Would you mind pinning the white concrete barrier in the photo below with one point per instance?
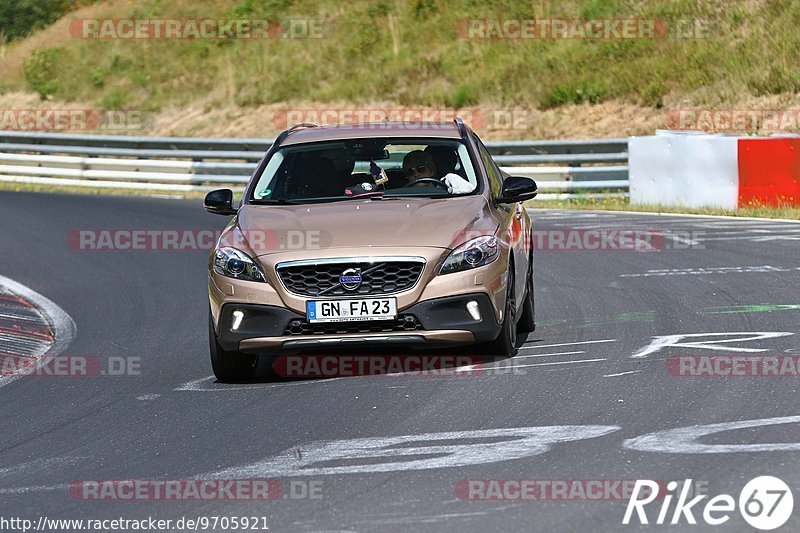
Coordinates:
(687, 170)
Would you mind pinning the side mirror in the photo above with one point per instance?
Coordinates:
(220, 202)
(517, 189)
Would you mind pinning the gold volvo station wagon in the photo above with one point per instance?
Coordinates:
(410, 237)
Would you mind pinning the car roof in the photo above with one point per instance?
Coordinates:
(435, 130)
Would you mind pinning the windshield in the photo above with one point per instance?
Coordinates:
(340, 170)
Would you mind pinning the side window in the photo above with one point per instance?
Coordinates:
(495, 177)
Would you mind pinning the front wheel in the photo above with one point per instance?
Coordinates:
(229, 366)
(527, 321)
(505, 343)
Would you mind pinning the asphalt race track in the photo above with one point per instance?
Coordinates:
(595, 377)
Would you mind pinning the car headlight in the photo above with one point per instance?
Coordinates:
(234, 263)
(472, 254)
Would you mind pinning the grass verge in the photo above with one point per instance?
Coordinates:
(607, 204)
(617, 203)
(66, 189)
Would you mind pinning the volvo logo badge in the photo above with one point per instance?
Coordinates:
(350, 279)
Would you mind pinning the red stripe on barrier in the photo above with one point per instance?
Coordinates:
(769, 172)
(26, 332)
(19, 300)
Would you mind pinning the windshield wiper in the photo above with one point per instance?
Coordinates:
(382, 197)
(279, 201)
(374, 195)
(445, 195)
(320, 200)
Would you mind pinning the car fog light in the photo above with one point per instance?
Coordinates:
(237, 320)
(472, 309)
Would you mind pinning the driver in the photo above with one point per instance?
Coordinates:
(417, 165)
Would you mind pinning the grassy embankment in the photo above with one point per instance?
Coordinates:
(410, 53)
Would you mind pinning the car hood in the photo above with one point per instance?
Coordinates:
(406, 222)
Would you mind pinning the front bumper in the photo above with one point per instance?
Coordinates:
(268, 329)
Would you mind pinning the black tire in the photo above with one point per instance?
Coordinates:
(230, 367)
(527, 320)
(505, 343)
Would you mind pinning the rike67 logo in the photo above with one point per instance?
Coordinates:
(765, 503)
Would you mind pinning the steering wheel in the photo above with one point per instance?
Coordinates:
(429, 181)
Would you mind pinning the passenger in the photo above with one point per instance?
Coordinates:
(444, 159)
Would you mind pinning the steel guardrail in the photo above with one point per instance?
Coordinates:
(569, 167)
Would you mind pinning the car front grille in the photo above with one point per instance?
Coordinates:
(301, 326)
(377, 277)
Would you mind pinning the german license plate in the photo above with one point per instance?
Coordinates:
(351, 310)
